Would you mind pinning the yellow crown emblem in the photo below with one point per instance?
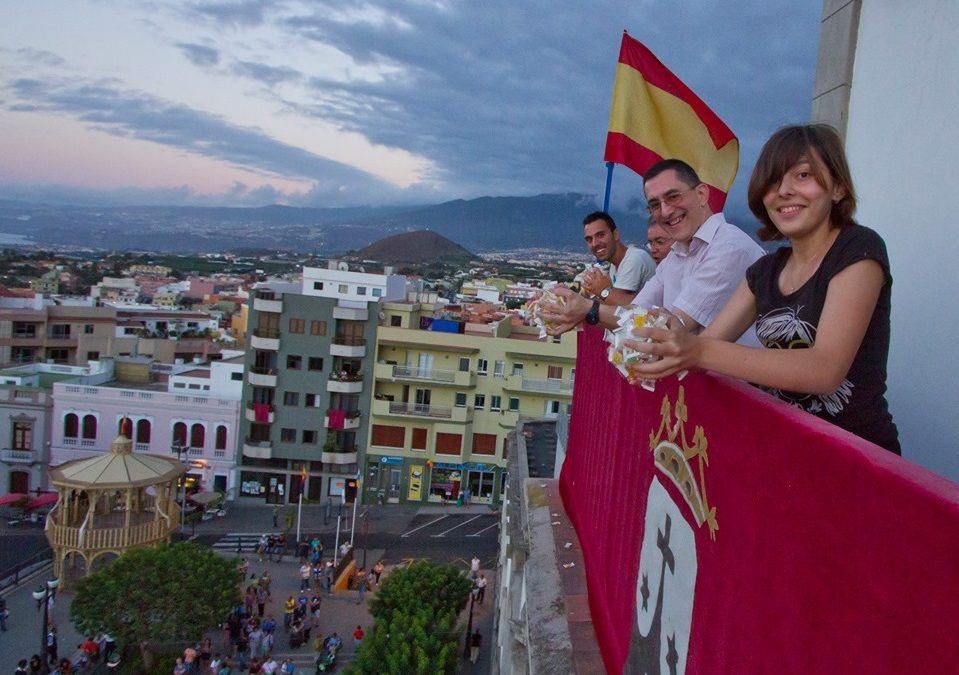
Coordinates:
(673, 454)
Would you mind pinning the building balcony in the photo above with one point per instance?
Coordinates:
(265, 339)
(351, 420)
(257, 449)
(268, 305)
(509, 418)
(250, 414)
(533, 386)
(458, 414)
(339, 457)
(350, 347)
(350, 384)
(351, 313)
(460, 379)
(13, 456)
(261, 377)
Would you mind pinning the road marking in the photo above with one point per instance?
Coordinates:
(476, 534)
(443, 534)
(417, 529)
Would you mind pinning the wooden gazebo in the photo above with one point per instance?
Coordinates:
(112, 503)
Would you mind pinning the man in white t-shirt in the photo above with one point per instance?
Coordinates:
(629, 267)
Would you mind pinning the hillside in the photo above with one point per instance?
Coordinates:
(413, 247)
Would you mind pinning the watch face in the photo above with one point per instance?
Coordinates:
(604, 293)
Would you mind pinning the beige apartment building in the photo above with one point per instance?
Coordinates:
(446, 394)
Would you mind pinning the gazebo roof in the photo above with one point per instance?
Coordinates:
(119, 468)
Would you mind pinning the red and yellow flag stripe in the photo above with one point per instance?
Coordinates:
(654, 115)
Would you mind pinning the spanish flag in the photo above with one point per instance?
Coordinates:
(654, 116)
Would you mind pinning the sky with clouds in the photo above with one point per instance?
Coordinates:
(252, 102)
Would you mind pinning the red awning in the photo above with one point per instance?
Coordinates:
(12, 498)
(43, 500)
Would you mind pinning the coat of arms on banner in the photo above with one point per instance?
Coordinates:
(666, 583)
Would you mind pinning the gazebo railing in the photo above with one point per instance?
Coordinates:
(95, 538)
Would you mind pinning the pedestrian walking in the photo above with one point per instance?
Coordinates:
(481, 589)
(52, 646)
(358, 636)
(378, 570)
(475, 641)
(474, 567)
(276, 516)
(360, 586)
(4, 613)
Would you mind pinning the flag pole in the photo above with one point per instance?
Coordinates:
(609, 185)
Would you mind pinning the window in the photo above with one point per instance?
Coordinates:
(518, 369)
(317, 285)
(220, 437)
(179, 385)
(361, 290)
(481, 366)
(343, 288)
(193, 386)
(179, 434)
(314, 363)
(388, 436)
(291, 398)
(296, 325)
(22, 436)
(377, 292)
(58, 355)
(89, 427)
(479, 401)
(514, 405)
(484, 444)
(309, 436)
(449, 444)
(143, 431)
(460, 399)
(197, 436)
(396, 320)
(288, 435)
(554, 372)
(71, 426)
(93, 356)
(317, 327)
(125, 427)
(294, 362)
(464, 366)
(88, 328)
(236, 377)
(312, 401)
(419, 439)
(499, 369)
(495, 403)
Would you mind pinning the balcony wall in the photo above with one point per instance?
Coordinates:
(351, 313)
(353, 386)
(351, 421)
(261, 378)
(339, 457)
(736, 516)
(519, 383)
(423, 412)
(257, 449)
(19, 456)
(353, 348)
(266, 340)
(250, 416)
(436, 377)
(265, 305)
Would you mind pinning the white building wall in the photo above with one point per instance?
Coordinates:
(902, 138)
(345, 285)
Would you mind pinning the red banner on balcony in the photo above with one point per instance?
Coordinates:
(726, 532)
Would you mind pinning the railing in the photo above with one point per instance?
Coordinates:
(549, 386)
(348, 377)
(13, 576)
(17, 455)
(739, 506)
(260, 370)
(267, 333)
(420, 410)
(347, 414)
(424, 373)
(113, 537)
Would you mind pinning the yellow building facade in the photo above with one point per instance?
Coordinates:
(446, 395)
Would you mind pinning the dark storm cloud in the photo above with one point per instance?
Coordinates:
(108, 107)
(199, 55)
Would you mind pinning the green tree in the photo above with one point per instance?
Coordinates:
(415, 629)
(171, 593)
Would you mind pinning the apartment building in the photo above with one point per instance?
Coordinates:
(35, 331)
(306, 395)
(447, 391)
(191, 410)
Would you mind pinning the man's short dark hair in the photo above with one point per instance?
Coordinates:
(600, 215)
(684, 172)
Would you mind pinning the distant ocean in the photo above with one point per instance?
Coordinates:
(13, 239)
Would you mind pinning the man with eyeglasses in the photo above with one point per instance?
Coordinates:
(658, 243)
(706, 263)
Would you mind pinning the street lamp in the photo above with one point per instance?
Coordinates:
(43, 595)
(178, 448)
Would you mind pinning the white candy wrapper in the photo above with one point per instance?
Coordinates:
(622, 356)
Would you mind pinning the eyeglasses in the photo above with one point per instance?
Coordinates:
(670, 198)
(659, 241)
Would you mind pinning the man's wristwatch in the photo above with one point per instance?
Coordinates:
(603, 294)
(592, 316)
